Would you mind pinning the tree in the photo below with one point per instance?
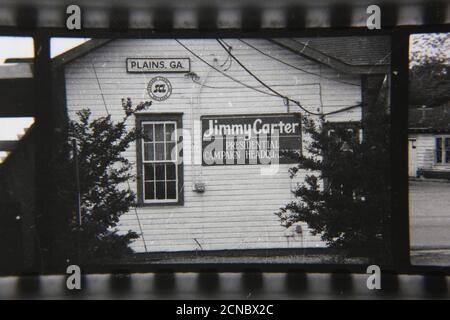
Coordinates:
(429, 85)
(429, 48)
(346, 194)
(103, 174)
(429, 77)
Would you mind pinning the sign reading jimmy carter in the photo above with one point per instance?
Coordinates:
(158, 65)
(250, 139)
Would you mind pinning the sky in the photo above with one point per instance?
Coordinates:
(23, 47)
(16, 47)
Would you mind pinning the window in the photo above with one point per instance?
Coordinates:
(353, 130)
(443, 150)
(159, 172)
(346, 135)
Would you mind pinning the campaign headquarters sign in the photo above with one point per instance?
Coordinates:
(249, 139)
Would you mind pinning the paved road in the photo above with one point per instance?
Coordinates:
(430, 219)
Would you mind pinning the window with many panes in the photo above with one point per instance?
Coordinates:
(158, 160)
(443, 150)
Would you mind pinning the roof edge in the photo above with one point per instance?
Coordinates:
(78, 51)
(430, 130)
(16, 71)
(332, 62)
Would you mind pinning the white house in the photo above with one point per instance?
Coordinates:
(429, 142)
(196, 85)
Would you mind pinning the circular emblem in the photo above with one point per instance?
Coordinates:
(159, 88)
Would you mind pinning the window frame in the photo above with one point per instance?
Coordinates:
(443, 151)
(354, 126)
(159, 118)
(330, 126)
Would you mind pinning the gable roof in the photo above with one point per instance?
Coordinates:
(354, 55)
(358, 51)
(430, 120)
(78, 51)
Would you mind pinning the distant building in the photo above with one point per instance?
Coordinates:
(429, 142)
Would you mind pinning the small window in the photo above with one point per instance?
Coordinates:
(353, 130)
(443, 150)
(159, 172)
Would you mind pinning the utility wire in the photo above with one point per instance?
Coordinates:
(285, 98)
(255, 89)
(222, 72)
(223, 43)
(128, 182)
(295, 67)
(304, 84)
(232, 88)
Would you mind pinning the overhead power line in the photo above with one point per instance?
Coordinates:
(285, 98)
(273, 93)
(295, 67)
(196, 81)
(222, 72)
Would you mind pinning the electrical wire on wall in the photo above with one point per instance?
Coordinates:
(222, 72)
(223, 45)
(258, 90)
(296, 67)
(128, 182)
(202, 84)
(196, 81)
(227, 60)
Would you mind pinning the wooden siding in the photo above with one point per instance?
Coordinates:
(426, 149)
(237, 209)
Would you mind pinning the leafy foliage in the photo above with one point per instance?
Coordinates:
(104, 194)
(429, 77)
(429, 48)
(345, 197)
(429, 85)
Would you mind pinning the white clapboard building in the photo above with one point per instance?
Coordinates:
(429, 142)
(196, 85)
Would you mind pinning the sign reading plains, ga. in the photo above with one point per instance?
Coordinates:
(158, 65)
(250, 139)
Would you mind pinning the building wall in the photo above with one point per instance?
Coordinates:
(237, 209)
(425, 151)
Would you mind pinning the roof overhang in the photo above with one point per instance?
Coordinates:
(16, 71)
(334, 63)
(430, 130)
(78, 52)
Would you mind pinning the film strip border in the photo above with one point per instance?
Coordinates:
(196, 286)
(289, 15)
(226, 285)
